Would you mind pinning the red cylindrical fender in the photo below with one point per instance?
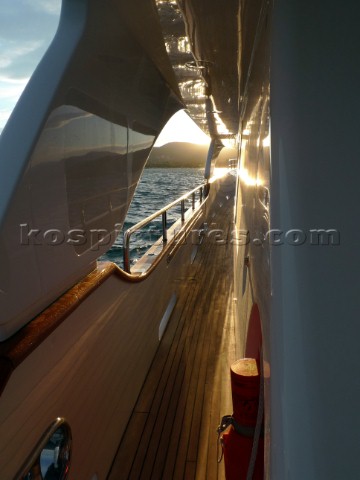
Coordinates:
(237, 443)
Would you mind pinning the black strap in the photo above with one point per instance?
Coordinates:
(243, 430)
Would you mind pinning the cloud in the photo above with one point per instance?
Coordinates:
(49, 6)
(13, 50)
(10, 88)
(25, 20)
(10, 91)
(26, 30)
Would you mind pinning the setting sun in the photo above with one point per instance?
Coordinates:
(180, 128)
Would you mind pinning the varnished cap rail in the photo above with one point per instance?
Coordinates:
(18, 347)
(15, 350)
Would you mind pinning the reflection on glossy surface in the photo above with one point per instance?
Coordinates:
(51, 458)
(211, 72)
(76, 145)
(85, 156)
(71, 131)
(189, 74)
(266, 141)
(96, 164)
(252, 252)
(55, 457)
(248, 179)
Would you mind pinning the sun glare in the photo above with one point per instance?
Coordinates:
(180, 128)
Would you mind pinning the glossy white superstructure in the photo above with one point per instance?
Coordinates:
(282, 78)
(70, 167)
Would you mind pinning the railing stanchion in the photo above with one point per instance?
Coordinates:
(183, 211)
(164, 227)
(126, 246)
(163, 213)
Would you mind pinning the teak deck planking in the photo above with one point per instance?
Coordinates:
(172, 431)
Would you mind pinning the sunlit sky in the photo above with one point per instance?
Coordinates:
(180, 128)
(26, 30)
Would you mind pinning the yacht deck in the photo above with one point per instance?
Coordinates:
(172, 431)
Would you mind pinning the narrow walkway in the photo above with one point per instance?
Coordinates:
(172, 431)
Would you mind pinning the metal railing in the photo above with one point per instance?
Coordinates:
(232, 163)
(163, 212)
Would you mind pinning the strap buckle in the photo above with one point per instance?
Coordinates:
(226, 421)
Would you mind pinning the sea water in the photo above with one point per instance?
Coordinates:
(157, 188)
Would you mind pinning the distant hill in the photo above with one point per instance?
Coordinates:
(225, 155)
(178, 155)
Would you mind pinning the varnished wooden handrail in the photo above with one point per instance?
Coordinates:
(18, 347)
